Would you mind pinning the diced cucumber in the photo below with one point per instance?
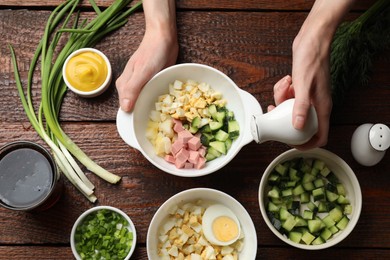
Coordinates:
(287, 193)
(301, 222)
(318, 164)
(342, 224)
(309, 186)
(219, 116)
(326, 234)
(336, 214)
(233, 129)
(340, 189)
(205, 129)
(328, 221)
(314, 225)
(219, 146)
(272, 207)
(342, 200)
(215, 125)
(295, 236)
(318, 194)
(325, 171)
(193, 130)
(281, 169)
(196, 122)
(206, 138)
(294, 174)
(318, 183)
(312, 206)
(307, 177)
(323, 207)
(301, 188)
(290, 223)
(228, 143)
(331, 196)
(308, 214)
(318, 241)
(273, 179)
(221, 135)
(348, 209)
(305, 197)
(274, 193)
(284, 214)
(212, 110)
(298, 190)
(307, 238)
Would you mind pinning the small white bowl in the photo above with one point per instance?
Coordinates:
(207, 195)
(344, 173)
(131, 227)
(97, 91)
(132, 126)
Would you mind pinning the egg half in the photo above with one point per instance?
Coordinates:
(220, 225)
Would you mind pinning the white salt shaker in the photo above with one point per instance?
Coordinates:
(369, 143)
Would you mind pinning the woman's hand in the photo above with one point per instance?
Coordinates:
(310, 81)
(158, 49)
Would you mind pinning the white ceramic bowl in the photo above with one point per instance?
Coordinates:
(344, 173)
(131, 227)
(132, 126)
(208, 195)
(97, 91)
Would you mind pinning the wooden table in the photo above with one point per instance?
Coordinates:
(250, 41)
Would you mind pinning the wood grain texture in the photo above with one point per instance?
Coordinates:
(248, 40)
(204, 5)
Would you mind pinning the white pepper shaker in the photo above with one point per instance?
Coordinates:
(369, 143)
(276, 125)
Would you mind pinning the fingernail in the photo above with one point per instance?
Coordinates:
(126, 104)
(299, 122)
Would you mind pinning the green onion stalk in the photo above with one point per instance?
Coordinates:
(53, 89)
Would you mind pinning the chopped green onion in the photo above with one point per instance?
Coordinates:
(103, 234)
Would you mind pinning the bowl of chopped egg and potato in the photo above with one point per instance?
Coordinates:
(201, 223)
(189, 120)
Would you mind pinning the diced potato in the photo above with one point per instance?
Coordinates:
(155, 115)
(226, 250)
(173, 251)
(228, 257)
(167, 127)
(177, 84)
(196, 257)
(204, 87)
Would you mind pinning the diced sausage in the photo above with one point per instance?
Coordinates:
(194, 157)
(185, 136)
(194, 143)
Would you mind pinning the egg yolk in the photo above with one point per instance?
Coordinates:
(86, 71)
(225, 229)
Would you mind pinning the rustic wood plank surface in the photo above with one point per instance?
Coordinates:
(248, 40)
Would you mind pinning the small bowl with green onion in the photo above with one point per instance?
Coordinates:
(103, 232)
(310, 199)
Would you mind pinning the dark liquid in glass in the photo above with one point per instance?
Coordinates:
(26, 178)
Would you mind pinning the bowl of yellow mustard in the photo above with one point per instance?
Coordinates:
(87, 72)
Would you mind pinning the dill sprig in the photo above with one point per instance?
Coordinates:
(355, 45)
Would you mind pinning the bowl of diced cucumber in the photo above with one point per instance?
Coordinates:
(189, 120)
(310, 199)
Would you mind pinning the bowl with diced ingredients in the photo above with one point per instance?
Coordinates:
(201, 223)
(103, 232)
(189, 120)
(310, 199)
